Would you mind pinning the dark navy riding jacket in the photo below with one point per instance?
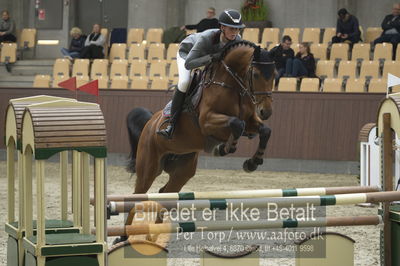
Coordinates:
(77, 44)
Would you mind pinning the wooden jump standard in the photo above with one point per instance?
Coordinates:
(13, 141)
(47, 129)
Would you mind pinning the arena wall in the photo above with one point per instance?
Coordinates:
(305, 126)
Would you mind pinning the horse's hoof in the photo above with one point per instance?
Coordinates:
(219, 150)
(215, 151)
(258, 161)
(232, 149)
(249, 166)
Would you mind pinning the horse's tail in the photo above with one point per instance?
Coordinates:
(135, 122)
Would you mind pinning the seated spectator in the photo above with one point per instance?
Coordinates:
(347, 28)
(280, 54)
(210, 22)
(76, 45)
(7, 28)
(303, 65)
(94, 44)
(391, 29)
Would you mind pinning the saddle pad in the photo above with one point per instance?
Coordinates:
(167, 110)
(194, 101)
(197, 96)
(193, 96)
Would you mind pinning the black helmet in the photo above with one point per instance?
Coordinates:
(231, 18)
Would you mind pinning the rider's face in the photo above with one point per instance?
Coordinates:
(230, 33)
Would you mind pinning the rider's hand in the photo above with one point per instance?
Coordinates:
(216, 57)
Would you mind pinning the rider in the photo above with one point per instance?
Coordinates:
(197, 50)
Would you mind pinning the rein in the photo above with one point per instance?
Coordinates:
(244, 90)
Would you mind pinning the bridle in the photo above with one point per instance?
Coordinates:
(245, 89)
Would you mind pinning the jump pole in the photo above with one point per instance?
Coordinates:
(339, 199)
(168, 228)
(262, 193)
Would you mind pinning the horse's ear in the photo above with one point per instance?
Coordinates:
(257, 52)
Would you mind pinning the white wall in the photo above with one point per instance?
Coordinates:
(371, 12)
(302, 13)
(147, 14)
(53, 51)
(196, 9)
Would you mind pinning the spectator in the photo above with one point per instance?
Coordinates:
(7, 28)
(391, 29)
(280, 54)
(347, 28)
(94, 44)
(210, 22)
(303, 65)
(77, 44)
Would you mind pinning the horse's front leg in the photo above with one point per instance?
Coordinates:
(237, 127)
(251, 164)
(223, 127)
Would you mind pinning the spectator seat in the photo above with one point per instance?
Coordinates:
(42, 81)
(309, 85)
(311, 35)
(159, 83)
(332, 85)
(119, 68)
(355, 85)
(118, 51)
(270, 35)
(140, 83)
(287, 84)
(135, 35)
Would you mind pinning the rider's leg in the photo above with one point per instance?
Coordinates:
(178, 99)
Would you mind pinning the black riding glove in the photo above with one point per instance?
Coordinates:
(216, 57)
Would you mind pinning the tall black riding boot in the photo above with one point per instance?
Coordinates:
(176, 108)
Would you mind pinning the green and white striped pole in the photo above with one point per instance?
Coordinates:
(340, 199)
(170, 228)
(235, 194)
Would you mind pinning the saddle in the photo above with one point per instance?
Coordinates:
(193, 94)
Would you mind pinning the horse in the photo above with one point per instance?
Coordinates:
(236, 97)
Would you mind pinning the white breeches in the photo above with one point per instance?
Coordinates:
(184, 74)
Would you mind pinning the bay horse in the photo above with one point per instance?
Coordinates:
(236, 97)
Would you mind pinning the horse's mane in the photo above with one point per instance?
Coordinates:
(259, 55)
(232, 45)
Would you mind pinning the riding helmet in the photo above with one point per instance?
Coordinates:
(231, 18)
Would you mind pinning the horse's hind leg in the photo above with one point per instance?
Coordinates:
(180, 171)
(147, 169)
